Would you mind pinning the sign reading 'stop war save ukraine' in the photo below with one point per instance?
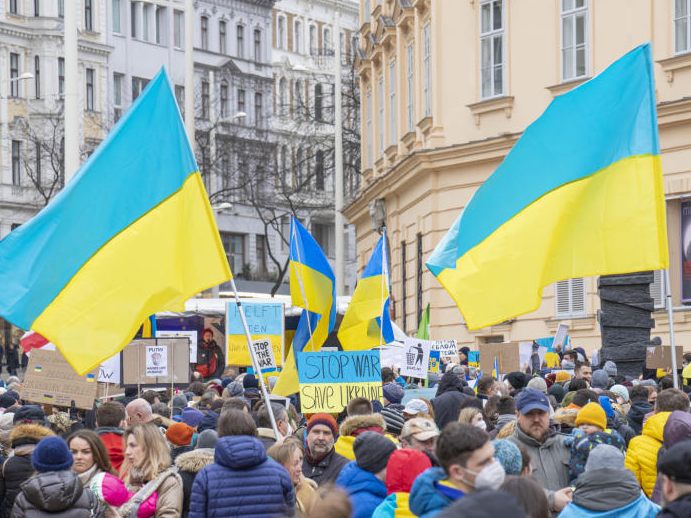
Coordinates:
(328, 380)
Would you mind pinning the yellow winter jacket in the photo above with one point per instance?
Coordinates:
(641, 457)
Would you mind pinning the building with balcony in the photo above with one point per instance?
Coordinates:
(447, 90)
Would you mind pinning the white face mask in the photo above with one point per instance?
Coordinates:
(490, 477)
(481, 425)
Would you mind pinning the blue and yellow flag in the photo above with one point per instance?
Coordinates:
(133, 233)
(580, 194)
(367, 323)
(313, 288)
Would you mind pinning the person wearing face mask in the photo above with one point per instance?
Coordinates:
(473, 416)
(321, 463)
(468, 465)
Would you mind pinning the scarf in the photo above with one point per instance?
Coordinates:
(85, 478)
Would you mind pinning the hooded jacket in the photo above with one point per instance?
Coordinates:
(326, 470)
(427, 498)
(637, 414)
(57, 494)
(242, 482)
(112, 439)
(354, 426)
(447, 403)
(366, 491)
(17, 469)
(189, 464)
(677, 429)
(396, 505)
(641, 457)
(680, 508)
(604, 492)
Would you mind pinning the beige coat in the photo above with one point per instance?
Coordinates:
(170, 496)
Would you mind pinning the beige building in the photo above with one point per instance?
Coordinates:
(447, 88)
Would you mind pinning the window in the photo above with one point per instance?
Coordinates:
(178, 29)
(318, 102)
(418, 282)
(37, 77)
(368, 15)
(146, 29)
(180, 98)
(322, 234)
(37, 7)
(257, 45)
(299, 165)
(285, 232)
(16, 162)
(161, 24)
(380, 121)
(13, 8)
(342, 45)
(88, 16)
(427, 63)
(260, 252)
(313, 40)
(393, 131)
(116, 16)
(37, 166)
(14, 74)
(61, 8)
(61, 76)
(492, 48)
(297, 37)
(138, 84)
(410, 59)
(574, 47)
(205, 99)
(241, 102)
(258, 109)
(205, 33)
(240, 36)
(234, 245)
(224, 99)
(281, 32)
(222, 40)
(297, 98)
(657, 289)
(90, 89)
(370, 136)
(283, 164)
(282, 96)
(117, 96)
(570, 298)
(328, 42)
(682, 26)
(319, 171)
(134, 22)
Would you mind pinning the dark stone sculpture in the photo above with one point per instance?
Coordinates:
(625, 320)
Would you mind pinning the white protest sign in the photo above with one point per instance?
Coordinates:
(416, 358)
(446, 348)
(109, 372)
(560, 336)
(264, 354)
(191, 334)
(392, 356)
(156, 361)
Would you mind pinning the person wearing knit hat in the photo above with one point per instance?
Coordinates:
(562, 376)
(610, 368)
(55, 489)
(179, 404)
(557, 391)
(364, 478)
(393, 393)
(516, 380)
(403, 468)
(179, 435)
(394, 420)
(538, 384)
(621, 392)
(509, 456)
(416, 408)
(591, 418)
(250, 382)
(7, 401)
(321, 463)
(191, 416)
(600, 380)
(29, 414)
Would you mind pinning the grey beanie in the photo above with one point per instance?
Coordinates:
(605, 456)
(235, 389)
(600, 380)
(538, 384)
(372, 451)
(179, 402)
(610, 368)
(207, 439)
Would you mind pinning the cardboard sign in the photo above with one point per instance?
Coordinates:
(416, 358)
(530, 358)
(192, 335)
(264, 354)
(446, 348)
(506, 353)
(109, 372)
(328, 381)
(265, 322)
(156, 361)
(661, 357)
(50, 380)
(145, 364)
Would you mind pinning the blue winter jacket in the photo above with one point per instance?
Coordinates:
(366, 491)
(242, 482)
(428, 498)
(640, 508)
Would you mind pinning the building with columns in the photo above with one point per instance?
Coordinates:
(447, 90)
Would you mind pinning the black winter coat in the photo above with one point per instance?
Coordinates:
(15, 471)
(326, 470)
(637, 414)
(189, 464)
(55, 494)
(680, 508)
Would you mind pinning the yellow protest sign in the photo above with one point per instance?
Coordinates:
(265, 322)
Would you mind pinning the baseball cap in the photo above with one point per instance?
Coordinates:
(415, 407)
(420, 428)
(531, 399)
(676, 463)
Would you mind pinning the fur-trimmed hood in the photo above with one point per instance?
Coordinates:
(193, 461)
(566, 416)
(28, 434)
(362, 422)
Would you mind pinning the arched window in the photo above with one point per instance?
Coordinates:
(313, 40)
(298, 97)
(281, 32)
(282, 96)
(328, 42)
(297, 38)
(318, 102)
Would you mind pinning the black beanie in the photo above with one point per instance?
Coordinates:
(372, 451)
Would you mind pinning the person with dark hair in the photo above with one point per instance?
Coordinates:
(89, 455)
(506, 413)
(675, 475)
(151, 396)
(197, 388)
(110, 423)
(640, 407)
(577, 384)
(467, 461)
(321, 462)
(242, 481)
(530, 495)
(447, 402)
(235, 403)
(487, 387)
(672, 399)
(583, 371)
(516, 381)
(387, 375)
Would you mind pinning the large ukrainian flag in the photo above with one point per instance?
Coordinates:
(367, 323)
(133, 233)
(580, 194)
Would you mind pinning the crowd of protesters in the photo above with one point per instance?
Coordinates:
(579, 441)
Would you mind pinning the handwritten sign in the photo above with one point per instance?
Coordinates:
(264, 355)
(109, 372)
(416, 358)
(265, 322)
(328, 381)
(156, 361)
(446, 348)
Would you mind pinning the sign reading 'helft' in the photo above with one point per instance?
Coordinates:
(328, 380)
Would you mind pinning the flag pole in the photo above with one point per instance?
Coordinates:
(255, 363)
(670, 316)
(384, 279)
(302, 287)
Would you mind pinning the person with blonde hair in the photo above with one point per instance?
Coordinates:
(290, 454)
(147, 468)
(473, 416)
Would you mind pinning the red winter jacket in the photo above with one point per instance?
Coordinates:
(112, 439)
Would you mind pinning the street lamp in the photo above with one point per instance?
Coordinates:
(24, 76)
(220, 207)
